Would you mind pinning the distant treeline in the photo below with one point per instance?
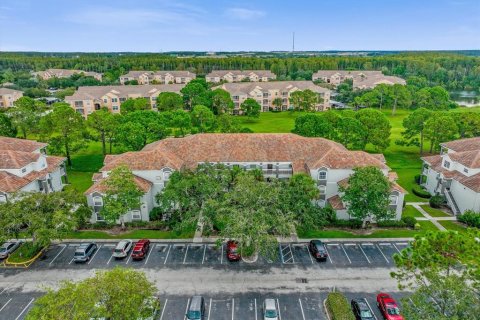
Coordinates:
(450, 70)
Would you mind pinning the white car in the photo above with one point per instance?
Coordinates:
(270, 311)
(122, 249)
(8, 247)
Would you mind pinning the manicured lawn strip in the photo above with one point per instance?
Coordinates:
(79, 180)
(135, 234)
(434, 212)
(338, 307)
(452, 225)
(24, 253)
(410, 211)
(272, 122)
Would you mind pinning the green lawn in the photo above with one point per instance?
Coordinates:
(410, 211)
(452, 225)
(434, 212)
(135, 234)
(272, 122)
(383, 233)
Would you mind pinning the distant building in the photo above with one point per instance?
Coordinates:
(8, 97)
(158, 77)
(361, 79)
(90, 98)
(239, 76)
(25, 167)
(455, 174)
(280, 156)
(66, 73)
(266, 92)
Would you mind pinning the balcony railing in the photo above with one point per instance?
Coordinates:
(277, 171)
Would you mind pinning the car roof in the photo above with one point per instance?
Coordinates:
(270, 304)
(196, 302)
(142, 241)
(317, 242)
(84, 245)
(123, 243)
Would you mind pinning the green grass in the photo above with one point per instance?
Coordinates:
(135, 234)
(382, 233)
(434, 212)
(410, 211)
(24, 253)
(452, 225)
(272, 122)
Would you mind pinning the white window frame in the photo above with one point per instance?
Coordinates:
(321, 172)
(136, 215)
(3, 198)
(391, 198)
(95, 198)
(166, 175)
(465, 170)
(322, 189)
(446, 164)
(97, 214)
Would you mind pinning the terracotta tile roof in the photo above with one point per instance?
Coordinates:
(15, 144)
(143, 160)
(11, 183)
(247, 87)
(336, 202)
(122, 91)
(9, 91)
(470, 159)
(260, 73)
(468, 144)
(100, 187)
(175, 73)
(16, 159)
(54, 162)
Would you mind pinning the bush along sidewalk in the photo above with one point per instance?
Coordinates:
(338, 307)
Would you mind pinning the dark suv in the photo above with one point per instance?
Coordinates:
(140, 250)
(85, 252)
(362, 310)
(318, 250)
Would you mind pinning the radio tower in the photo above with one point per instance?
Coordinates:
(293, 43)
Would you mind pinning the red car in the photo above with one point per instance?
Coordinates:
(232, 251)
(140, 250)
(388, 307)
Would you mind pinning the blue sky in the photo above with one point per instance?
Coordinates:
(221, 25)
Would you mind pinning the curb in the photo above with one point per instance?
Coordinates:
(24, 264)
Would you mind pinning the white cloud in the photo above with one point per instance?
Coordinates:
(244, 14)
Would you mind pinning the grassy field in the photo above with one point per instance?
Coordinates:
(410, 211)
(134, 234)
(434, 212)
(452, 225)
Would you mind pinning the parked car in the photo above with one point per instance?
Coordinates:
(270, 311)
(232, 251)
(196, 308)
(361, 310)
(8, 248)
(122, 249)
(318, 250)
(388, 307)
(84, 252)
(140, 250)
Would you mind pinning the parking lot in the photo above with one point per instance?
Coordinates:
(307, 306)
(165, 255)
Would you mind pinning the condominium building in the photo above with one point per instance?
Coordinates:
(455, 174)
(266, 93)
(66, 73)
(86, 100)
(239, 76)
(158, 77)
(8, 97)
(25, 167)
(361, 79)
(278, 156)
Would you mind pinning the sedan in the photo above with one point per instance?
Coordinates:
(122, 249)
(232, 251)
(362, 310)
(388, 307)
(8, 247)
(318, 250)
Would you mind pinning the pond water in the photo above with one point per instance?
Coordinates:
(466, 98)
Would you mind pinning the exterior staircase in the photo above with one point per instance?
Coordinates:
(451, 202)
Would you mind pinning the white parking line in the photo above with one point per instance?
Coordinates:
(96, 251)
(221, 257)
(5, 304)
(25, 309)
(371, 309)
(168, 252)
(309, 254)
(74, 245)
(396, 247)
(346, 253)
(186, 309)
(64, 247)
(4, 290)
(110, 259)
(148, 254)
(350, 244)
(204, 251)
(360, 246)
(328, 255)
(71, 261)
(130, 256)
(163, 309)
(402, 243)
(209, 309)
(301, 308)
(279, 313)
(233, 306)
(185, 257)
(255, 308)
(382, 254)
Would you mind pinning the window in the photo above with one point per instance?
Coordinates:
(393, 200)
(105, 100)
(3, 198)
(114, 100)
(115, 108)
(123, 99)
(253, 166)
(167, 174)
(136, 215)
(322, 175)
(24, 170)
(323, 189)
(270, 166)
(99, 217)
(446, 164)
(97, 201)
(465, 170)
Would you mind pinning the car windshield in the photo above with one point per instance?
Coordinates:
(137, 251)
(393, 311)
(78, 253)
(2, 249)
(193, 315)
(271, 313)
(233, 249)
(118, 250)
(366, 314)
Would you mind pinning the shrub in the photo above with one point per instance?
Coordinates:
(338, 307)
(137, 224)
(470, 218)
(352, 223)
(436, 201)
(156, 214)
(418, 191)
(409, 221)
(391, 224)
(417, 178)
(25, 252)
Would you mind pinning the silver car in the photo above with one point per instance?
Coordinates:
(270, 311)
(122, 249)
(8, 247)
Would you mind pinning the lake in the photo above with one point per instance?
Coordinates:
(466, 98)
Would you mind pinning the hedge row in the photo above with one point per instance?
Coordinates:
(338, 307)
(470, 218)
(25, 252)
(418, 191)
(406, 222)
